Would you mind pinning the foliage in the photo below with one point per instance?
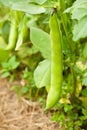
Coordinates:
(9, 66)
(79, 11)
(27, 6)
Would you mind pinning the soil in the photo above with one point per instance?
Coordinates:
(22, 114)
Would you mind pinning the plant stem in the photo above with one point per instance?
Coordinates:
(64, 22)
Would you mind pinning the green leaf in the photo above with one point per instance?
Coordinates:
(5, 74)
(38, 1)
(26, 73)
(84, 111)
(84, 81)
(78, 9)
(84, 92)
(42, 74)
(25, 89)
(41, 40)
(29, 8)
(23, 6)
(13, 63)
(80, 29)
(79, 3)
(79, 13)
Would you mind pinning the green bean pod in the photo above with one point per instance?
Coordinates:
(23, 32)
(13, 33)
(56, 62)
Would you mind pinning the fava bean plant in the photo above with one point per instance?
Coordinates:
(58, 31)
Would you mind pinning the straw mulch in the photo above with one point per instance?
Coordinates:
(23, 114)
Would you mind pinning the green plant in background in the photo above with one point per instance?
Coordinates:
(9, 66)
(13, 32)
(27, 89)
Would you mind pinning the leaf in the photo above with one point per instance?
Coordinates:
(41, 40)
(29, 8)
(25, 89)
(79, 2)
(38, 1)
(80, 29)
(5, 74)
(78, 9)
(12, 63)
(42, 74)
(84, 81)
(84, 111)
(23, 6)
(84, 92)
(79, 13)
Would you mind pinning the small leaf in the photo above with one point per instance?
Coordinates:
(84, 81)
(13, 63)
(84, 92)
(84, 111)
(42, 74)
(26, 73)
(41, 40)
(5, 74)
(25, 89)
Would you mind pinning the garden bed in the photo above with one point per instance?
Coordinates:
(21, 114)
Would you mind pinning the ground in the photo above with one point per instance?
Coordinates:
(22, 114)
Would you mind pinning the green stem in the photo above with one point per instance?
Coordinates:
(62, 5)
(65, 29)
(70, 42)
(74, 81)
(74, 99)
(64, 22)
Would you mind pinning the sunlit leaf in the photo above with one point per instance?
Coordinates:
(80, 29)
(41, 40)
(78, 10)
(42, 74)
(23, 6)
(38, 1)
